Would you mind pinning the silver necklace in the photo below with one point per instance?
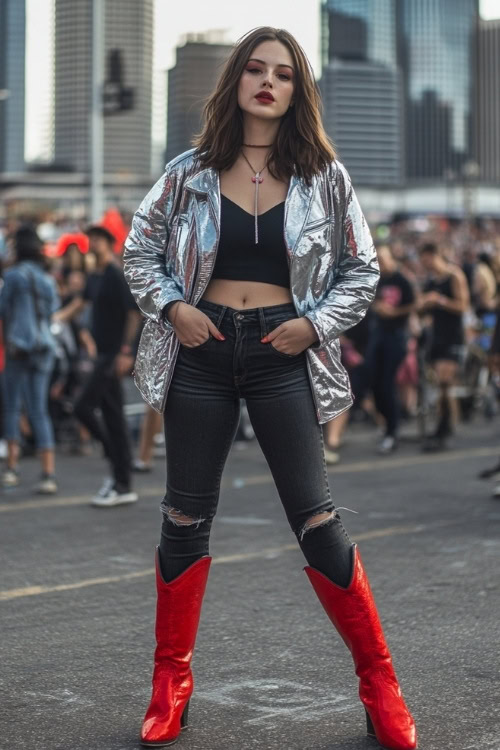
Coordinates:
(256, 179)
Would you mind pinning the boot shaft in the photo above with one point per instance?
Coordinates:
(178, 610)
(354, 614)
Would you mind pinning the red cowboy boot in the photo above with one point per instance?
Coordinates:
(354, 614)
(177, 616)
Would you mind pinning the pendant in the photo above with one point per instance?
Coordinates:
(257, 181)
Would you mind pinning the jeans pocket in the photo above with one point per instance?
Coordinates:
(199, 346)
(283, 354)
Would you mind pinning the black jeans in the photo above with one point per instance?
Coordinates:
(201, 419)
(103, 390)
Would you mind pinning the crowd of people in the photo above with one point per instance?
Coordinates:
(428, 350)
(427, 347)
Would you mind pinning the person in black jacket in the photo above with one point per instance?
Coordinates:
(115, 320)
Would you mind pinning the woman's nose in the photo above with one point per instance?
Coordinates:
(267, 80)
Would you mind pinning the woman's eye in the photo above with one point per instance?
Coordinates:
(284, 77)
(253, 70)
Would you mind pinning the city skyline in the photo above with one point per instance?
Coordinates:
(196, 17)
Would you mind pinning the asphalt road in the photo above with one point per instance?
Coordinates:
(77, 605)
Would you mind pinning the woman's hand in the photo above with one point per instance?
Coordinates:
(433, 299)
(191, 325)
(292, 337)
(123, 364)
(384, 309)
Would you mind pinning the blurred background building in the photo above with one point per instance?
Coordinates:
(398, 85)
(411, 93)
(437, 44)
(12, 80)
(361, 88)
(488, 101)
(128, 53)
(197, 67)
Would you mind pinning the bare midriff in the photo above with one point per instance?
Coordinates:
(237, 185)
(245, 295)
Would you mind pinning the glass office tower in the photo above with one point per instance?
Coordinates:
(437, 54)
(128, 45)
(430, 47)
(361, 88)
(488, 101)
(12, 77)
(360, 29)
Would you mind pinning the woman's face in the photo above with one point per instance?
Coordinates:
(266, 85)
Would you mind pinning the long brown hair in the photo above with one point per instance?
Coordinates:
(302, 147)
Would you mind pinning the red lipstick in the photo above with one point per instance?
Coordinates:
(265, 96)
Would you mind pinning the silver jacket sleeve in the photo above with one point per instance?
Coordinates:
(356, 278)
(146, 248)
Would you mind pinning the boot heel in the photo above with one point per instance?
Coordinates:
(369, 725)
(184, 717)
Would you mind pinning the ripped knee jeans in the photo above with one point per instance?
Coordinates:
(324, 542)
(201, 418)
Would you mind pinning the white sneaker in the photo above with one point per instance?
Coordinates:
(107, 485)
(10, 478)
(112, 498)
(387, 445)
(331, 456)
(141, 467)
(46, 486)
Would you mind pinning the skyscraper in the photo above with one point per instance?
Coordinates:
(360, 29)
(12, 79)
(198, 65)
(437, 53)
(488, 101)
(128, 49)
(362, 114)
(361, 87)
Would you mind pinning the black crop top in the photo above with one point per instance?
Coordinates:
(239, 258)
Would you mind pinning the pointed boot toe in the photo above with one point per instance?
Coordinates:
(353, 612)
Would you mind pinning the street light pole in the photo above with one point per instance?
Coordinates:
(470, 172)
(96, 124)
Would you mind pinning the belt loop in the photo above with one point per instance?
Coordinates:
(221, 315)
(263, 322)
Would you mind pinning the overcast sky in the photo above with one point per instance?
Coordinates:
(173, 19)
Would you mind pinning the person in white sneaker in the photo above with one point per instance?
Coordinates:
(114, 326)
(394, 302)
(27, 303)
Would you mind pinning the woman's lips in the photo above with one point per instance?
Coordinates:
(265, 98)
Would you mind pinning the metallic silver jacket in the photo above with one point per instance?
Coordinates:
(170, 255)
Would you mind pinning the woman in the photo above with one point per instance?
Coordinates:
(445, 300)
(27, 302)
(249, 257)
